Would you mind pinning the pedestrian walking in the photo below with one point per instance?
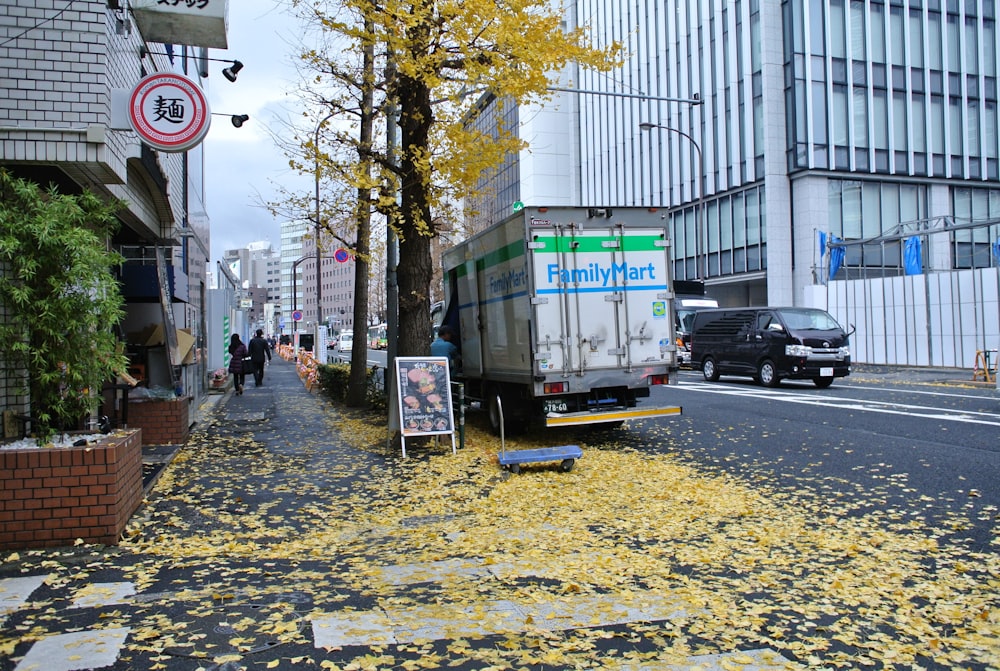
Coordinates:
(259, 350)
(237, 353)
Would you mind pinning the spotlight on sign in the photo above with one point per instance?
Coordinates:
(233, 70)
(239, 119)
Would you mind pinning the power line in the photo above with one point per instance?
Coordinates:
(37, 25)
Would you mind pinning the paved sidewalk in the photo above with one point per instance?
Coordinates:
(266, 543)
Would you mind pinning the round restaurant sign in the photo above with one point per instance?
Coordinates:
(169, 112)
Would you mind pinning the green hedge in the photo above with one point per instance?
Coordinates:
(333, 379)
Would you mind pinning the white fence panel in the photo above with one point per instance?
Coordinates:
(935, 319)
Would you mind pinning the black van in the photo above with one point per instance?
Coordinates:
(770, 344)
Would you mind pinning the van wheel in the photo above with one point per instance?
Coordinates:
(709, 370)
(767, 374)
(822, 382)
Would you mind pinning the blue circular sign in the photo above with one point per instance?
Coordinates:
(341, 255)
(297, 315)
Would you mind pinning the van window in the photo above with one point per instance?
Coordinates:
(808, 318)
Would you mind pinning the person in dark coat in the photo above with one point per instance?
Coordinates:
(237, 352)
(259, 349)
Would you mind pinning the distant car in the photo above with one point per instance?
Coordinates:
(345, 342)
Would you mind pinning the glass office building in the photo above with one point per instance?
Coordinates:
(759, 125)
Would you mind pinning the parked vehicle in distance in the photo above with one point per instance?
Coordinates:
(378, 337)
(684, 309)
(345, 341)
(770, 344)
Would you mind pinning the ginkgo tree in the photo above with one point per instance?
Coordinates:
(435, 61)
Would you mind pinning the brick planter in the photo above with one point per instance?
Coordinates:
(52, 496)
(162, 422)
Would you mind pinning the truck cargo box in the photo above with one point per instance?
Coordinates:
(564, 313)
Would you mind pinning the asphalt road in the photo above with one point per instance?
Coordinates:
(915, 442)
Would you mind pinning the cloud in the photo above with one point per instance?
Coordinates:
(243, 165)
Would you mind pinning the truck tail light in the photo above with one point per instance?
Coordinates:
(659, 379)
(555, 387)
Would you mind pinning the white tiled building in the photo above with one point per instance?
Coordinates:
(60, 64)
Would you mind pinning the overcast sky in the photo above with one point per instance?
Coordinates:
(242, 165)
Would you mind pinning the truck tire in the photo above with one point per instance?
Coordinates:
(709, 370)
(768, 374)
(493, 411)
(822, 382)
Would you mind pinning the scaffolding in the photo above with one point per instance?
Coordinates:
(924, 293)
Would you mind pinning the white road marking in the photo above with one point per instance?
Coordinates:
(91, 649)
(826, 400)
(14, 592)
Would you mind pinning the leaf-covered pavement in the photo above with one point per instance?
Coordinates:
(271, 529)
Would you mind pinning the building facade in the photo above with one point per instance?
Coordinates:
(764, 127)
(60, 70)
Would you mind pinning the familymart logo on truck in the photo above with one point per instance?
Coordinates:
(599, 275)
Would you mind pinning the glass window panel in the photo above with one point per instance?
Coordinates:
(990, 133)
(860, 117)
(871, 221)
(896, 35)
(725, 224)
(834, 193)
(889, 207)
(877, 33)
(954, 45)
(880, 117)
(838, 29)
(899, 121)
(909, 202)
(840, 116)
(989, 48)
(816, 26)
(839, 70)
(971, 46)
(916, 39)
(955, 123)
(753, 217)
(916, 80)
(739, 222)
(937, 82)
(935, 43)
(918, 124)
(858, 31)
(859, 72)
(851, 210)
(972, 126)
(712, 214)
(819, 113)
(801, 131)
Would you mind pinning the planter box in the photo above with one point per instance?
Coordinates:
(162, 422)
(52, 496)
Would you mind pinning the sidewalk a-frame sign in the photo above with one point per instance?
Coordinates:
(423, 398)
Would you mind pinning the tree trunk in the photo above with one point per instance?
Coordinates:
(414, 271)
(357, 382)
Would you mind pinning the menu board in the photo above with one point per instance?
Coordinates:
(424, 392)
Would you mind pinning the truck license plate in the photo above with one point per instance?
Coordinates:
(826, 372)
(560, 406)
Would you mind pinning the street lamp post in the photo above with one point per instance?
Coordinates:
(700, 205)
(319, 279)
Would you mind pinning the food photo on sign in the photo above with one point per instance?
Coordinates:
(424, 396)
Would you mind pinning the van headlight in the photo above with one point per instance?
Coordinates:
(798, 350)
(843, 352)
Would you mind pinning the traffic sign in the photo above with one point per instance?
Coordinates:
(341, 255)
(297, 315)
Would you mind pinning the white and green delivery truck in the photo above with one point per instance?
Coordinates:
(564, 315)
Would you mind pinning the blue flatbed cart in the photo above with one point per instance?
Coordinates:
(566, 455)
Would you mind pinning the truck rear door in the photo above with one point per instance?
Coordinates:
(601, 300)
